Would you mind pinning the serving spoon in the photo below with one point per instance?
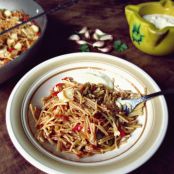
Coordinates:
(61, 6)
(128, 105)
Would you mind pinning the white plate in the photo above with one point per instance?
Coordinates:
(81, 72)
(144, 142)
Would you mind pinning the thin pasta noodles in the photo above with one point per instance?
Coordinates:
(83, 119)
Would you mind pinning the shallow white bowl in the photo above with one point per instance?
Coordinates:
(37, 82)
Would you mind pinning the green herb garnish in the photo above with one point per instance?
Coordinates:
(120, 46)
(84, 48)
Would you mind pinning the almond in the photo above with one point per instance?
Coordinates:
(83, 30)
(98, 44)
(106, 37)
(74, 37)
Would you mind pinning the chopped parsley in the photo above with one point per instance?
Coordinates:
(84, 48)
(120, 46)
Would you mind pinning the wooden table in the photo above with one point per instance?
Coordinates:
(108, 15)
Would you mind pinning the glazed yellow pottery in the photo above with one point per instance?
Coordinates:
(144, 35)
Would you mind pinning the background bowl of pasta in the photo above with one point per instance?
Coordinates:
(65, 115)
(19, 46)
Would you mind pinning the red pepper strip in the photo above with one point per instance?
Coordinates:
(66, 78)
(65, 107)
(80, 154)
(95, 147)
(63, 117)
(122, 132)
(10, 49)
(25, 18)
(59, 84)
(77, 127)
(24, 48)
(89, 131)
(54, 93)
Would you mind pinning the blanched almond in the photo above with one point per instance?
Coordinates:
(106, 37)
(98, 44)
(14, 36)
(81, 42)
(87, 35)
(116, 132)
(74, 37)
(66, 94)
(105, 49)
(56, 89)
(95, 36)
(69, 93)
(10, 41)
(35, 28)
(2, 52)
(99, 32)
(7, 13)
(18, 46)
(19, 22)
(83, 30)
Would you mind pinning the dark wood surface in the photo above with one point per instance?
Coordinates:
(108, 15)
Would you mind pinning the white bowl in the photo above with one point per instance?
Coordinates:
(37, 83)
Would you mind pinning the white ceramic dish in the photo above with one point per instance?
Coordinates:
(36, 83)
(81, 72)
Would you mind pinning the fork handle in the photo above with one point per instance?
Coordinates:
(61, 6)
(149, 96)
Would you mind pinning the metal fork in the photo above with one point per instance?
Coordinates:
(128, 105)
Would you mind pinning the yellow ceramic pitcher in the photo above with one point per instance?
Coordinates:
(144, 35)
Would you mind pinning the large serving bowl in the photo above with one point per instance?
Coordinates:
(38, 82)
(31, 8)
